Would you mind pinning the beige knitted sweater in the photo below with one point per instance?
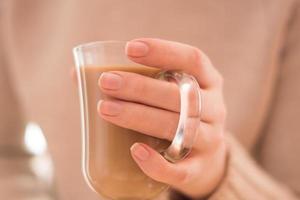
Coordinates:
(254, 44)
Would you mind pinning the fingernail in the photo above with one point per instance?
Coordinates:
(109, 108)
(110, 81)
(140, 152)
(136, 49)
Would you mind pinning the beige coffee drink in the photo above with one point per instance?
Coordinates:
(109, 167)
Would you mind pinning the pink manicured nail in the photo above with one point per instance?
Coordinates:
(110, 81)
(109, 108)
(136, 49)
(140, 152)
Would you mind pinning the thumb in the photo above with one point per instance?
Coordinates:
(156, 166)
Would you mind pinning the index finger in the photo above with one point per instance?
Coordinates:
(169, 55)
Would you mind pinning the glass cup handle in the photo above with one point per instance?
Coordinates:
(189, 119)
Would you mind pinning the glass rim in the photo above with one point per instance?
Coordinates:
(93, 44)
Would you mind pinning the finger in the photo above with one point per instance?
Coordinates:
(137, 88)
(154, 122)
(169, 55)
(145, 119)
(156, 93)
(157, 167)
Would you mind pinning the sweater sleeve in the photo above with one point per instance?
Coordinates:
(278, 152)
(275, 172)
(245, 179)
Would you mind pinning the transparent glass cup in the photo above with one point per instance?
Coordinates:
(106, 160)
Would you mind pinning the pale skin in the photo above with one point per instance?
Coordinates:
(152, 102)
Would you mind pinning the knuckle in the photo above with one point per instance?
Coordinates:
(219, 80)
(218, 108)
(198, 57)
(218, 138)
(183, 177)
(201, 60)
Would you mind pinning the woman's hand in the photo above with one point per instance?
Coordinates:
(152, 102)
